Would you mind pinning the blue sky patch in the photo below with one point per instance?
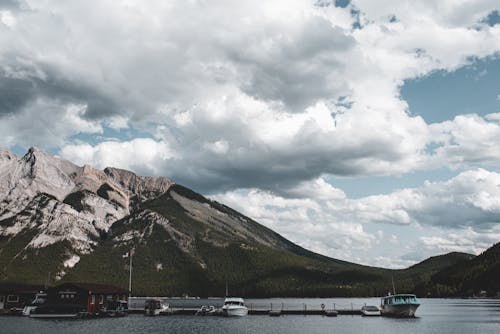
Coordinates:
(443, 95)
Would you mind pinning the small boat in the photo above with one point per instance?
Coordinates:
(40, 299)
(114, 309)
(399, 305)
(153, 307)
(207, 310)
(368, 310)
(234, 307)
(59, 311)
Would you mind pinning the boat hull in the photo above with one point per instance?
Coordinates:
(400, 311)
(371, 313)
(235, 311)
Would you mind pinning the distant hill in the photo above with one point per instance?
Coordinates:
(468, 278)
(77, 222)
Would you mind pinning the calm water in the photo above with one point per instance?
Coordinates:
(435, 316)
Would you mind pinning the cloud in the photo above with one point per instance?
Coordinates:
(460, 214)
(46, 123)
(140, 154)
(471, 199)
(467, 140)
(253, 95)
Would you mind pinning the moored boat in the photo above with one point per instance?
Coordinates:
(399, 305)
(234, 307)
(40, 299)
(368, 310)
(59, 311)
(153, 307)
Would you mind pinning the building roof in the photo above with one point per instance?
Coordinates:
(93, 287)
(19, 288)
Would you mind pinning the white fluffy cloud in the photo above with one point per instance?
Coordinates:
(143, 155)
(460, 214)
(289, 83)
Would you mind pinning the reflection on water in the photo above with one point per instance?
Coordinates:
(434, 316)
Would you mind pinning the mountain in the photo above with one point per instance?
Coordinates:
(468, 278)
(77, 222)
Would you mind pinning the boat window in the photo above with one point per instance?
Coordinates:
(12, 299)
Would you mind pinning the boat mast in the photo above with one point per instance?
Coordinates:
(393, 288)
(226, 289)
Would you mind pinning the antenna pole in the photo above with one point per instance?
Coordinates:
(130, 275)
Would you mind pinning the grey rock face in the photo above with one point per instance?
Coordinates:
(58, 200)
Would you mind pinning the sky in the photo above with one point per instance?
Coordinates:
(367, 131)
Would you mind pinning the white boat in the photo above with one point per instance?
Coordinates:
(40, 299)
(234, 307)
(399, 305)
(370, 310)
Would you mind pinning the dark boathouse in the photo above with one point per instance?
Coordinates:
(14, 296)
(92, 296)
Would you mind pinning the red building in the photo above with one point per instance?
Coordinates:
(92, 296)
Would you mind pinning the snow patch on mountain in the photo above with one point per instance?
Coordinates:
(71, 262)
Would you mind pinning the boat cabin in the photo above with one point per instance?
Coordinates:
(234, 301)
(14, 296)
(399, 299)
(93, 297)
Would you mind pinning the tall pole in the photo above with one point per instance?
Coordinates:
(130, 275)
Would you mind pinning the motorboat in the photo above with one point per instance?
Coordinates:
(207, 310)
(59, 311)
(370, 311)
(399, 305)
(114, 309)
(234, 307)
(40, 299)
(153, 307)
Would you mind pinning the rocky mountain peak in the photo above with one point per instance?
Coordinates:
(141, 186)
(7, 156)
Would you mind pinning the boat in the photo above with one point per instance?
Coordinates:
(234, 307)
(370, 311)
(207, 310)
(114, 309)
(40, 299)
(59, 311)
(399, 305)
(153, 307)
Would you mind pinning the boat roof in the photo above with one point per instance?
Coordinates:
(401, 295)
(234, 299)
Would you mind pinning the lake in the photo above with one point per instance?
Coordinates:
(452, 316)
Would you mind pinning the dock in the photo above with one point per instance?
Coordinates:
(180, 306)
(269, 312)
